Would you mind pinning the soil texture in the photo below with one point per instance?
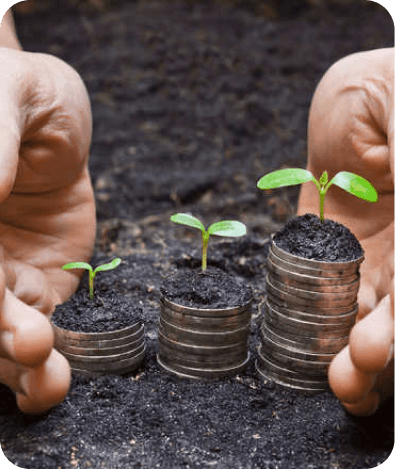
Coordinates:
(306, 236)
(193, 101)
(211, 289)
(107, 311)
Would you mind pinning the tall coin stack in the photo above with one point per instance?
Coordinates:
(310, 309)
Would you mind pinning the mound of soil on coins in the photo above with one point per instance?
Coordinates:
(306, 236)
(106, 311)
(212, 288)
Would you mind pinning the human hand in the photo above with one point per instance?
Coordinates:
(351, 128)
(47, 217)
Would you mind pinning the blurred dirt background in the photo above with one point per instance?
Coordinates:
(192, 102)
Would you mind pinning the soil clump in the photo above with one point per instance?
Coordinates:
(211, 289)
(107, 311)
(306, 236)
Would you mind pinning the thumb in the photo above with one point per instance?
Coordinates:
(371, 339)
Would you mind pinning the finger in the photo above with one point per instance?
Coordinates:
(45, 386)
(382, 390)
(10, 141)
(367, 298)
(33, 287)
(366, 407)
(348, 383)
(372, 339)
(9, 374)
(26, 335)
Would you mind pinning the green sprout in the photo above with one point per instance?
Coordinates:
(92, 272)
(221, 228)
(350, 182)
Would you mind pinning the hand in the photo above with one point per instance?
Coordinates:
(47, 217)
(351, 128)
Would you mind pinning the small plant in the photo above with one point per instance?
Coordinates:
(350, 182)
(221, 228)
(92, 272)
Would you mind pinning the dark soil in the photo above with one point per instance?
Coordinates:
(107, 311)
(306, 236)
(210, 289)
(192, 103)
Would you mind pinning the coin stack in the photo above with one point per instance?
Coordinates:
(310, 309)
(203, 343)
(96, 353)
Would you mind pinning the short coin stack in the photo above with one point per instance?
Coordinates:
(310, 309)
(95, 353)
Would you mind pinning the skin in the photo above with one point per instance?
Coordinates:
(351, 128)
(47, 214)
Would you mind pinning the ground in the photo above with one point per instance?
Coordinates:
(192, 102)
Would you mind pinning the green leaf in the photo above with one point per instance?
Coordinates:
(355, 185)
(285, 177)
(111, 265)
(77, 265)
(227, 228)
(188, 220)
(324, 178)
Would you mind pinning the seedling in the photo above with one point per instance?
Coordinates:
(92, 272)
(350, 182)
(221, 228)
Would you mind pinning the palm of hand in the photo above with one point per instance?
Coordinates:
(47, 215)
(351, 128)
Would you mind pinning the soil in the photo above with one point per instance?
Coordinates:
(306, 236)
(192, 102)
(107, 311)
(211, 289)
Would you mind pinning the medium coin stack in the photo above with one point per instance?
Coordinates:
(310, 309)
(203, 343)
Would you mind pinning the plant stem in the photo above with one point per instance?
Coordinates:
(322, 201)
(205, 238)
(91, 277)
